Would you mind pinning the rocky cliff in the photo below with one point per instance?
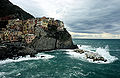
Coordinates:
(53, 40)
(46, 39)
(50, 41)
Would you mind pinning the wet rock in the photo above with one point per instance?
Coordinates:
(27, 51)
(79, 51)
(42, 56)
(95, 56)
(9, 52)
(47, 39)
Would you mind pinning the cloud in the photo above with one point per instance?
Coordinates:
(79, 16)
(95, 36)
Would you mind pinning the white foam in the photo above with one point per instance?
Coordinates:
(86, 47)
(2, 73)
(37, 57)
(76, 55)
(104, 52)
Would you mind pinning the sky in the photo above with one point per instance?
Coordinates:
(91, 19)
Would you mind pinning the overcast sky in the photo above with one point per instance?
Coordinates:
(82, 18)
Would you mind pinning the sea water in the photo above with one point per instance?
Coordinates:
(65, 63)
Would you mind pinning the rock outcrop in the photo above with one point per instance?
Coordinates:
(43, 43)
(91, 55)
(64, 40)
(53, 40)
(95, 56)
(50, 38)
(10, 50)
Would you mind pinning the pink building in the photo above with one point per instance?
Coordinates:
(29, 38)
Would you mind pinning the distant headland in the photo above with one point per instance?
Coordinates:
(21, 35)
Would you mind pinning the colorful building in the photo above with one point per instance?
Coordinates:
(29, 38)
(5, 35)
(44, 22)
(16, 28)
(29, 27)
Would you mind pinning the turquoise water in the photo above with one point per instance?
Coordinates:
(66, 63)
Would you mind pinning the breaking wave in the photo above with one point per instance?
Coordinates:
(37, 57)
(104, 52)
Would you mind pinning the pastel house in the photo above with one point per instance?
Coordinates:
(29, 38)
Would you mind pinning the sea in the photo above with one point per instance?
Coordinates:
(65, 63)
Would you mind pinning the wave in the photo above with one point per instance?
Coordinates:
(37, 57)
(104, 52)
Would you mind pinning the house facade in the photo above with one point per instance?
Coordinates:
(29, 38)
(27, 30)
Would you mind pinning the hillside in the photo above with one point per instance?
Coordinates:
(11, 11)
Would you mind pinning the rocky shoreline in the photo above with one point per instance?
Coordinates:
(41, 44)
(91, 55)
(16, 51)
(21, 34)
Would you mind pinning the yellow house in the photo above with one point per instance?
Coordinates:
(6, 34)
(25, 28)
(28, 26)
(19, 33)
(44, 22)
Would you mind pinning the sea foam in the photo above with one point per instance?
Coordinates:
(37, 57)
(104, 52)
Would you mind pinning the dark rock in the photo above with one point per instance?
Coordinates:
(46, 39)
(79, 51)
(9, 51)
(95, 56)
(3, 53)
(42, 56)
(53, 40)
(43, 44)
(64, 40)
(57, 40)
(27, 51)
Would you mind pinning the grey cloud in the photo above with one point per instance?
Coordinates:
(98, 19)
(82, 16)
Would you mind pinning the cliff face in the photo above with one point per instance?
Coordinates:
(64, 40)
(53, 40)
(43, 43)
(49, 37)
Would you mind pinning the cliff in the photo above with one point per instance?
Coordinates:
(52, 41)
(46, 33)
